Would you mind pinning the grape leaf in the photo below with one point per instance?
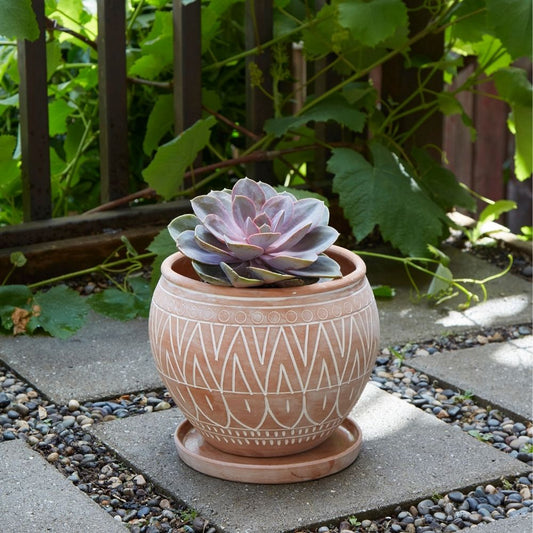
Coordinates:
(160, 122)
(60, 311)
(165, 172)
(511, 23)
(383, 194)
(334, 108)
(162, 245)
(58, 112)
(18, 20)
(440, 184)
(12, 297)
(372, 22)
(114, 303)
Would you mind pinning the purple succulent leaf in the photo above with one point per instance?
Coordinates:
(323, 267)
(269, 276)
(262, 220)
(188, 246)
(209, 243)
(223, 229)
(309, 209)
(209, 204)
(238, 280)
(263, 240)
(243, 209)
(244, 251)
(268, 190)
(291, 237)
(212, 274)
(250, 189)
(286, 261)
(318, 240)
(279, 204)
(250, 227)
(181, 224)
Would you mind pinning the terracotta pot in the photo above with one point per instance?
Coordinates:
(264, 372)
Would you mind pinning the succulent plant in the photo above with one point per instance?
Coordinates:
(253, 235)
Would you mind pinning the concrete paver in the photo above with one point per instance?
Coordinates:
(403, 319)
(500, 373)
(104, 359)
(514, 524)
(407, 455)
(36, 497)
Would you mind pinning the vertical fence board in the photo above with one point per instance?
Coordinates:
(258, 30)
(34, 133)
(187, 65)
(113, 100)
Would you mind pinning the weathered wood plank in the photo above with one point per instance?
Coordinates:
(187, 65)
(34, 133)
(259, 107)
(112, 81)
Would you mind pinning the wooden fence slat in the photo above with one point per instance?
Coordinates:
(113, 99)
(34, 132)
(187, 65)
(258, 30)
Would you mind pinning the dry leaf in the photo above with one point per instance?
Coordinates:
(20, 318)
(43, 413)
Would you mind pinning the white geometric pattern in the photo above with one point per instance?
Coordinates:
(280, 375)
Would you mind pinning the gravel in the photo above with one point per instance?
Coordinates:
(59, 433)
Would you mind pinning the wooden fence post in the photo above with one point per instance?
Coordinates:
(34, 132)
(112, 85)
(187, 65)
(259, 107)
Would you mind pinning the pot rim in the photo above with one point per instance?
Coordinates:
(352, 278)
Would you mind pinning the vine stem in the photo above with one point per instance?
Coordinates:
(98, 268)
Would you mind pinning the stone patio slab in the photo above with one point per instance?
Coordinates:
(404, 319)
(34, 496)
(499, 373)
(104, 359)
(407, 455)
(515, 524)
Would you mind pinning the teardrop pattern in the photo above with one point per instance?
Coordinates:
(264, 381)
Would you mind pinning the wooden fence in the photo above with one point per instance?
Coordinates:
(39, 229)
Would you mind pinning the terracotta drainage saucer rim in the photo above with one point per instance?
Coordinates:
(330, 457)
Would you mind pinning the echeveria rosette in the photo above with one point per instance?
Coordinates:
(252, 235)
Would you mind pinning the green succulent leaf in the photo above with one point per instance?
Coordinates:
(60, 312)
(165, 172)
(381, 193)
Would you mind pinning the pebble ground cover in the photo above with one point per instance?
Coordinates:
(59, 433)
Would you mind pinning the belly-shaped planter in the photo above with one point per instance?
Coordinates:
(266, 377)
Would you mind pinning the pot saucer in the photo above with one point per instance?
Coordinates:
(333, 455)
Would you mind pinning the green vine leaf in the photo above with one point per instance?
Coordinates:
(334, 108)
(123, 305)
(160, 122)
(165, 172)
(359, 16)
(381, 193)
(162, 245)
(511, 22)
(18, 20)
(59, 311)
(440, 184)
